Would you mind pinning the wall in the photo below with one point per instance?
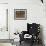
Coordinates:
(35, 13)
(3, 1)
(3, 21)
(3, 34)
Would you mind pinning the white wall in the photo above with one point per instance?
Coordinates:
(35, 13)
(3, 14)
(3, 21)
(3, 1)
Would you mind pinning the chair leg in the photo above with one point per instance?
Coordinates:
(20, 42)
(32, 42)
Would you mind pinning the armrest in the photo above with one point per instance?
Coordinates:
(24, 32)
(22, 35)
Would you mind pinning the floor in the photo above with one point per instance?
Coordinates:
(5, 44)
(26, 44)
(22, 44)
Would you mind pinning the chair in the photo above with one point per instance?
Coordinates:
(33, 30)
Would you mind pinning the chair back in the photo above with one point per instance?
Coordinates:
(33, 28)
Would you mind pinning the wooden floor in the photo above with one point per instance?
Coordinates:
(6, 40)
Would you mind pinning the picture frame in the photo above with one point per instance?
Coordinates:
(20, 14)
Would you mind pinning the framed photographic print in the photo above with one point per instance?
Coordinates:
(20, 14)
